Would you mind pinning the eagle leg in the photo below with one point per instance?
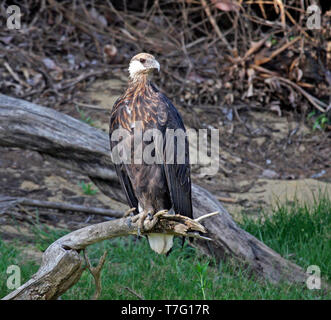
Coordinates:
(155, 217)
(141, 221)
(147, 214)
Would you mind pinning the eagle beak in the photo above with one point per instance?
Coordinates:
(155, 65)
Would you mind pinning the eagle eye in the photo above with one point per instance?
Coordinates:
(142, 60)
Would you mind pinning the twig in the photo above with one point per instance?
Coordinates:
(299, 27)
(96, 273)
(227, 200)
(262, 10)
(134, 293)
(242, 122)
(279, 3)
(208, 215)
(87, 105)
(15, 76)
(73, 82)
(278, 51)
(314, 101)
(215, 26)
(256, 46)
(63, 206)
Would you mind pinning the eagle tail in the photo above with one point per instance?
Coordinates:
(160, 243)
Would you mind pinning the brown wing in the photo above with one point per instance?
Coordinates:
(178, 175)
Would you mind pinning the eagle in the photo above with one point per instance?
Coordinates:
(150, 187)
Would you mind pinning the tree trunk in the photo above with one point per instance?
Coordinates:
(82, 148)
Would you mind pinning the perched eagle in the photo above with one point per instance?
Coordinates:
(151, 187)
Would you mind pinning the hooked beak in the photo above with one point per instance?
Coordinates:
(155, 65)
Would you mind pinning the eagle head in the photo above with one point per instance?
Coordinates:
(142, 63)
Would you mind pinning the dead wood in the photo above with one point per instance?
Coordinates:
(85, 149)
(96, 273)
(9, 202)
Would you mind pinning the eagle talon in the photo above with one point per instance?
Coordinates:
(160, 213)
(129, 212)
(141, 221)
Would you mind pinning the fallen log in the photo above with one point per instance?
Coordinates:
(85, 149)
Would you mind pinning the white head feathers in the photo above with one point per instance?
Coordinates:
(142, 63)
(134, 68)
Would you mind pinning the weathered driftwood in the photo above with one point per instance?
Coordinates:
(62, 263)
(83, 148)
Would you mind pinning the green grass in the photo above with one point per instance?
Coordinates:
(44, 235)
(320, 121)
(300, 233)
(84, 117)
(10, 255)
